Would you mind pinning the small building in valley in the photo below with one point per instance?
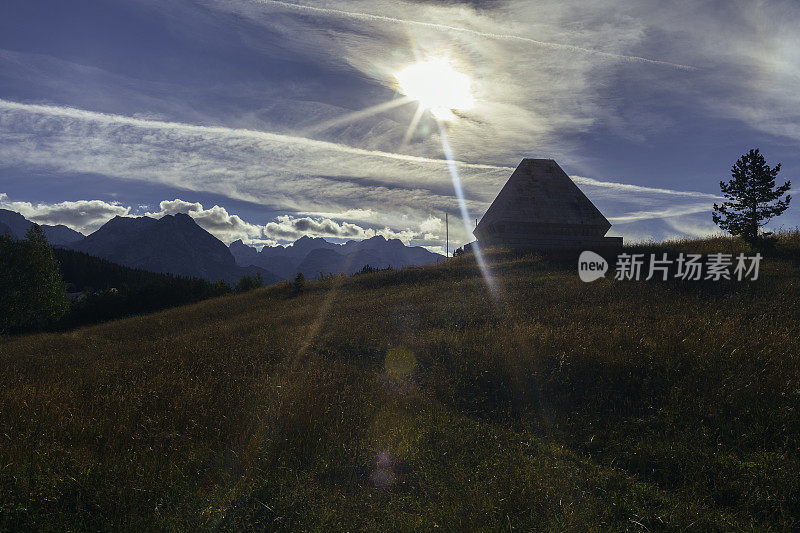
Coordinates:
(540, 207)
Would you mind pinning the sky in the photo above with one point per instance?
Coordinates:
(269, 120)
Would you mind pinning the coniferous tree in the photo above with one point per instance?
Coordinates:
(10, 253)
(31, 286)
(751, 197)
(299, 282)
(220, 287)
(248, 283)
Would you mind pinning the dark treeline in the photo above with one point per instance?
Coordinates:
(35, 280)
(85, 272)
(113, 291)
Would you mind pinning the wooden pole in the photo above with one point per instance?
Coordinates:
(447, 238)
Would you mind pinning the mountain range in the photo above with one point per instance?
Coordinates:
(315, 256)
(17, 225)
(176, 244)
(172, 244)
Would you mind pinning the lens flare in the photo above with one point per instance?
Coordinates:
(437, 87)
(465, 217)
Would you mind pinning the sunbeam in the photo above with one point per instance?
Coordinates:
(412, 126)
(462, 205)
(356, 115)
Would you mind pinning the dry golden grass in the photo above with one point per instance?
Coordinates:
(412, 400)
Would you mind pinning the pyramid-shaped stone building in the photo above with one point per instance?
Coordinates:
(540, 207)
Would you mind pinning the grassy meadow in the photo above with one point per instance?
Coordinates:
(413, 400)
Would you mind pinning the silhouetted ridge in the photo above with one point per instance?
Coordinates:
(17, 225)
(314, 256)
(173, 244)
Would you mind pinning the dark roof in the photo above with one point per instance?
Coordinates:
(540, 192)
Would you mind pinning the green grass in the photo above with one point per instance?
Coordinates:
(413, 400)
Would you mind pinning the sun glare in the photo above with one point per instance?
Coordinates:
(437, 87)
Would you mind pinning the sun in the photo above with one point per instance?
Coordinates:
(437, 87)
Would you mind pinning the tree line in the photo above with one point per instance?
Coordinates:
(35, 280)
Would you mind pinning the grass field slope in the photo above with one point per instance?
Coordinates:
(414, 399)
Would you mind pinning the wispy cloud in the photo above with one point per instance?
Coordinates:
(543, 73)
(626, 188)
(284, 172)
(531, 93)
(549, 79)
(661, 213)
(292, 174)
(369, 17)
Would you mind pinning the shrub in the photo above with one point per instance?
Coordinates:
(368, 269)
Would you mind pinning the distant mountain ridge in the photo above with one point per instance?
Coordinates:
(176, 244)
(172, 244)
(17, 225)
(313, 256)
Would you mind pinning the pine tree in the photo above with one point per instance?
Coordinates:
(10, 253)
(31, 287)
(248, 283)
(299, 282)
(751, 197)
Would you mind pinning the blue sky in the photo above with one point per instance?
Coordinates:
(236, 111)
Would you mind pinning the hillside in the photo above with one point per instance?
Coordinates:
(114, 291)
(83, 271)
(412, 400)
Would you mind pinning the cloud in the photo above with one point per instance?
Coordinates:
(88, 215)
(369, 17)
(662, 213)
(670, 227)
(349, 214)
(626, 188)
(540, 76)
(754, 49)
(282, 172)
(431, 224)
(543, 75)
(216, 220)
(84, 215)
(285, 228)
(289, 228)
(543, 79)
(286, 173)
